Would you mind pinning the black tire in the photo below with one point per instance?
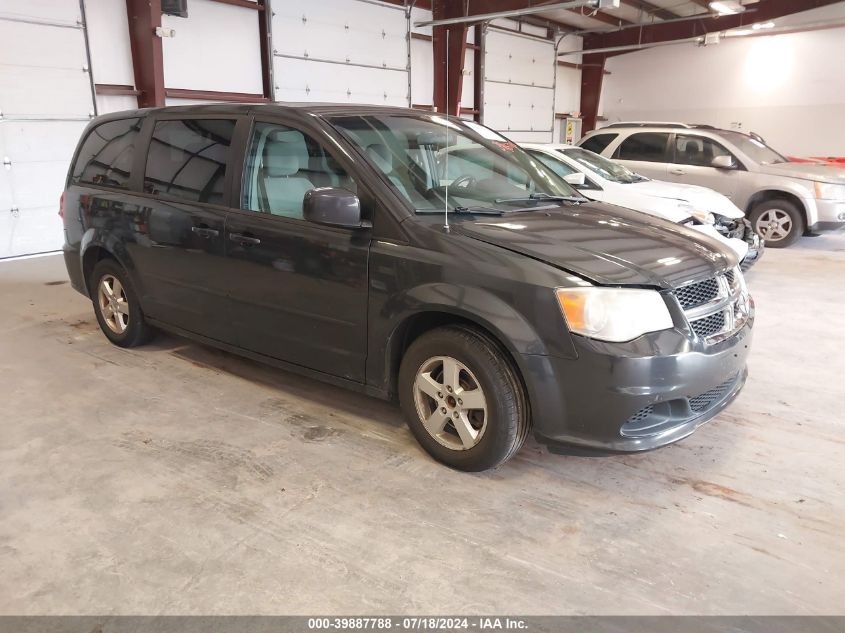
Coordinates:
(782, 207)
(137, 331)
(507, 416)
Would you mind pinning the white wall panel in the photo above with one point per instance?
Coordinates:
(108, 36)
(309, 80)
(340, 50)
(519, 76)
(217, 47)
(64, 11)
(45, 98)
(35, 56)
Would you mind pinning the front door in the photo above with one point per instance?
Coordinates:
(298, 289)
(692, 160)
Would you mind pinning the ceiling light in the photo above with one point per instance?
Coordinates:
(762, 25)
(727, 7)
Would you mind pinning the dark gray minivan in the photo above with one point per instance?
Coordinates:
(355, 245)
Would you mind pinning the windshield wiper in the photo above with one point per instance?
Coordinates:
(545, 197)
(466, 210)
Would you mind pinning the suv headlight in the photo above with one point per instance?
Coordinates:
(613, 314)
(829, 191)
(705, 217)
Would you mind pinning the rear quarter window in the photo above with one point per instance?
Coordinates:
(598, 142)
(644, 146)
(106, 155)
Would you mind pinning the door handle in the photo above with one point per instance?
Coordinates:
(677, 172)
(204, 231)
(245, 240)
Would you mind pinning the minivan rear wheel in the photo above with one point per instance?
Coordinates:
(778, 222)
(463, 399)
(116, 305)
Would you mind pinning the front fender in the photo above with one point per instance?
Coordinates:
(499, 318)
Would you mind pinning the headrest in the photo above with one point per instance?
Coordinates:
(284, 153)
(381, 156)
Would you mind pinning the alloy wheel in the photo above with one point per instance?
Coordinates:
(114, 307)
(450, 402)
(773, 225)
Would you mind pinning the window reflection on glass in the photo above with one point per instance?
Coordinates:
(187, 159)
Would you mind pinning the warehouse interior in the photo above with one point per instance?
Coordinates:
(181, 479)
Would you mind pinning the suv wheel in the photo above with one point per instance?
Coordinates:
(116, 305)
(778, 222)
(463, 399)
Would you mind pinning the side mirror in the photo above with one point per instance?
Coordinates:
(333, 206)
(723, 162)
(578, 179)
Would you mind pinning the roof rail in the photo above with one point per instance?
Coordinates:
(649, 124)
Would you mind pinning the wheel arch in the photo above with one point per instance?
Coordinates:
(94, 249)
(767, 195)
(414, 325)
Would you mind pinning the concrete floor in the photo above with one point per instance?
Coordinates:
(178, 479)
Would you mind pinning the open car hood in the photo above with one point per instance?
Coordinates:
(605, 244)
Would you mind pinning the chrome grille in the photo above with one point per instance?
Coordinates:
(698, 293)
(709, 325)
(715, 308)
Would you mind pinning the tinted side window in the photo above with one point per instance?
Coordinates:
(696, 150)
(187, 159)
(598, 142)
(647, 146)
(283, 164)
(105, 157)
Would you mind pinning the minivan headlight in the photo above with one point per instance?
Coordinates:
(613, 314)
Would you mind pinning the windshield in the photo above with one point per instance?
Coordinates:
(601, 166)
(757, 151)
(424, 155)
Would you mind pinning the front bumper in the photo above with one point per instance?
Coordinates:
(635, 396)
(831, 215)
(756, 246)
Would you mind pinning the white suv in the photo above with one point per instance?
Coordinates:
(783, 200)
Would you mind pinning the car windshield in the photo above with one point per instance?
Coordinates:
(755, 149)
(432, 159)
(601, 166)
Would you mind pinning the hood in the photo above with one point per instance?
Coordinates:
(606, 244)
(700, 198)
(807, 171)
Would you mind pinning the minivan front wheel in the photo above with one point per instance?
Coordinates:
(778, 222)
(462, 399)
(116, 305)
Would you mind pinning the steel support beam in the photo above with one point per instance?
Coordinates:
(664, 32)
(147, 58)
(592, 76)
(265, 16)
(449, 43)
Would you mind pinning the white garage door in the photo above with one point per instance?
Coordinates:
(519, 85)
(45, 100)
(341, 52)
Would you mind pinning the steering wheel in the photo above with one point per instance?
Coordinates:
(465, 182)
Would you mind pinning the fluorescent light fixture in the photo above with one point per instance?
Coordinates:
(727, 7)
(763, 25)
